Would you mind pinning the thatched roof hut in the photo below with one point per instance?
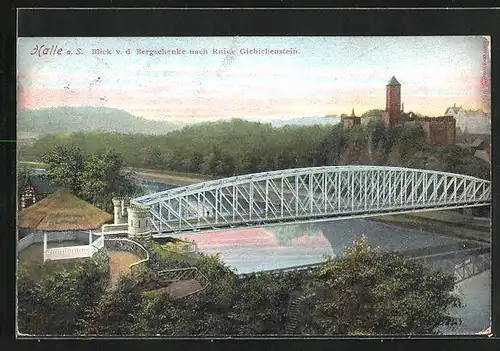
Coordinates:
(62, 211)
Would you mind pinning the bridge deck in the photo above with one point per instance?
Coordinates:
(303, 194)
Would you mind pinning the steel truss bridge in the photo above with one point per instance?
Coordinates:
(304, 194)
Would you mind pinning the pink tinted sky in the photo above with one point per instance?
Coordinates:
(328, 75)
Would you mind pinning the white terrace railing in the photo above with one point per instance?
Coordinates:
(62, 253)
(70, 252)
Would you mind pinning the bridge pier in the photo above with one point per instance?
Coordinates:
(138, 222)
(120, 207)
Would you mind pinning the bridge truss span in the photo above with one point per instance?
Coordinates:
(311, 193)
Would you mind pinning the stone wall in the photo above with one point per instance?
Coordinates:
(133, 247)
(126, 245)
(439, 130)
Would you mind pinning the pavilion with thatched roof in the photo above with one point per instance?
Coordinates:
(62, 211)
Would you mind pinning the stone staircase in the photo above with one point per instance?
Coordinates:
(294, 316)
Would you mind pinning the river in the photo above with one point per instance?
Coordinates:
(256, 249)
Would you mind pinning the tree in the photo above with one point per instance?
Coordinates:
(102, 178)
(53, 296)
(371, 292)
(65, 166)
(372, 115)
(261, 303)
(364, 292)
(116, 312)
(96, 177)
(153, 158)
(333, 145)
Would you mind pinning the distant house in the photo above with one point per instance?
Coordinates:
(33, 188)
(483, 155)
(471, 121)
(351, 121)
(480, 148)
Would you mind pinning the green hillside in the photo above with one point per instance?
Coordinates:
(85, 118)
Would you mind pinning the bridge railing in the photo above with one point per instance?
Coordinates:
(472, 266)
(461, 264)
(458, 254)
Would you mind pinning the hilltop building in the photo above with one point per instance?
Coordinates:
(437, 130)
(470, 121)
(351, 121)
(393, 114)
(479, 147)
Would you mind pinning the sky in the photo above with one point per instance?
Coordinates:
(318, 76)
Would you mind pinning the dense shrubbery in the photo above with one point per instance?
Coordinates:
(54, 296)
(371, 292)
(240, 147)
(365, 292)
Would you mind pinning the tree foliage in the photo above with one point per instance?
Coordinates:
(371, 292)
(241, 147)
(96, 177)
(53, 296)
(65, 166)
(364, 292)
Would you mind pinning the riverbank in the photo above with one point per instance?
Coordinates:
(170, 177)
(448, 223)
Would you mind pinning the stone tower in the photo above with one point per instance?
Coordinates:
(393, 97)
(393, 114)
(117, 207)
(120, 206)
(138, 222)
